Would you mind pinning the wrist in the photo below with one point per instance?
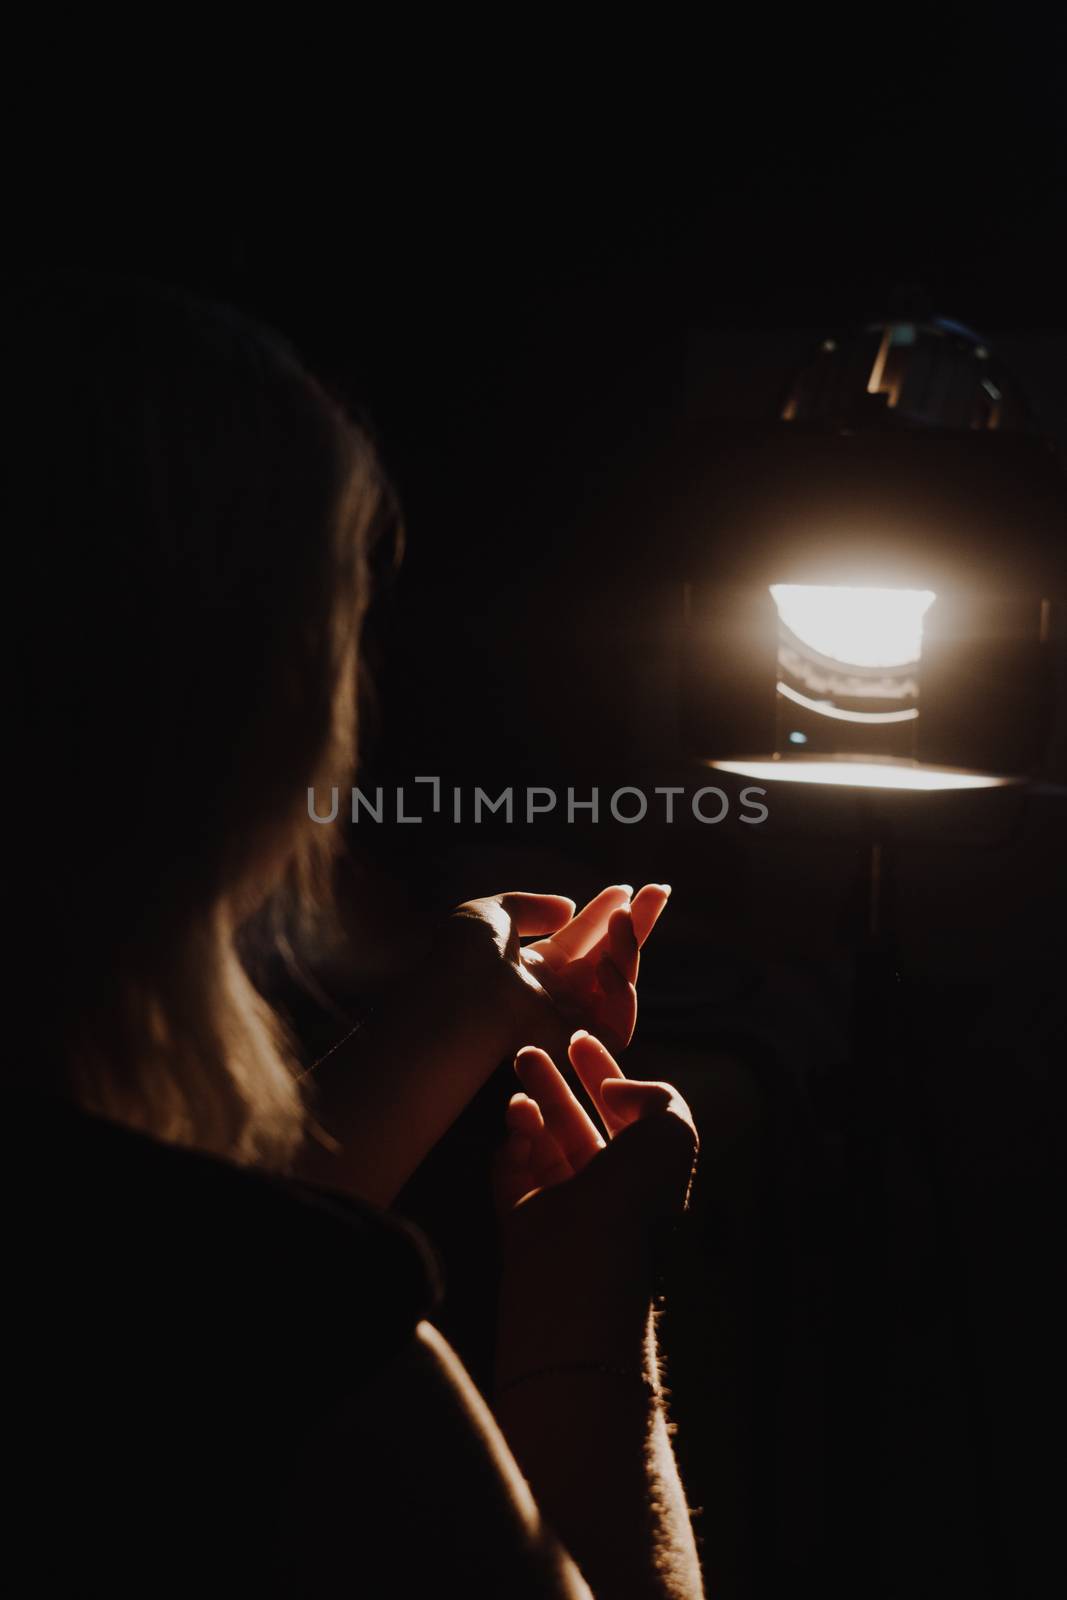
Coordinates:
(636, 1382)
(471, 952)
(582, 1360)
(602, 1323)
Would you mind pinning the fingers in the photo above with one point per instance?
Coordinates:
(564, 1116)
(644, 912)
(529, 1158)
(538, 913)
(512, 1174)
(657, 1148)
(594, 1064)
(524, 1122)
(622, 945)
(633, 1100)
(573, 936)
(647, 908)
(619, 1011)
(619, 1099)
(531, 1141)
(650, 1162)
(591, 924)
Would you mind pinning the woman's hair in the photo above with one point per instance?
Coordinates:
(196, 513)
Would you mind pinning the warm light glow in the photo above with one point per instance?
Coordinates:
(826, 709)
(861, 772)
(857, 627)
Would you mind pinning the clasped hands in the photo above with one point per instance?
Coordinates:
(385, 1098)
(573, 995)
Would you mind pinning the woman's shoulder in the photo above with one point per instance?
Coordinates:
(179, 1328)
(166, 1230)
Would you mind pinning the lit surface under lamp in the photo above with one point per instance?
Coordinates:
(848, 692)
(854, 773)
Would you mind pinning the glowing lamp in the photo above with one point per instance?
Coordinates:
(862, 628)
(848, 692)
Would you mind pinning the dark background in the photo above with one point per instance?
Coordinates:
(556, 300)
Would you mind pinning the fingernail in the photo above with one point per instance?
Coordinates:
(666, 888)
(579, 1033)
(628, 887)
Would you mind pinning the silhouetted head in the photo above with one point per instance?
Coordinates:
(195, 512)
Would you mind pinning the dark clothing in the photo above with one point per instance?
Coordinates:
(180, 1329)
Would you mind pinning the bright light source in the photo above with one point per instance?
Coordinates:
(857, 627)
(860, 772)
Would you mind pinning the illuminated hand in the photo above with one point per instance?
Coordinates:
(578, 1388)
(577, 1202)
(385, 1098)
(639, 1162)
(581, 971)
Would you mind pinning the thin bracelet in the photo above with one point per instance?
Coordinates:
(628, 1374)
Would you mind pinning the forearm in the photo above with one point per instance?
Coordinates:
(593, 1441)
(579, 1399)
(429, 1057)
(390, 1092)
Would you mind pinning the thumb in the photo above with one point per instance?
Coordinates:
(630, 1100)
(537, 913)
(657, 1142)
